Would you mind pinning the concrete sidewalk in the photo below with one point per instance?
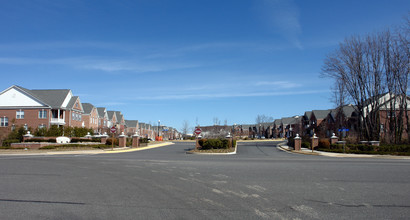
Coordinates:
(76, 152)
(306, 151)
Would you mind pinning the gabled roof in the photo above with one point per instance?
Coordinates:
(277, 122)
(119, 116)
(141, 125)
(131, 123)
(72, 102)
(321, 114)
(111, 115)
(53, 97)
(87, 107)
(101, 112)
(307, 115)
(346, 110)
(287, 120)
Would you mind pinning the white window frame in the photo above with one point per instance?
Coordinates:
(42, 114)
(4, 121)
(20, 114)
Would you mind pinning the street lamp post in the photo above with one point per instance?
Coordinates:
(159, 122)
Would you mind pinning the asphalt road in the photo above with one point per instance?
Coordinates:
(260, 182)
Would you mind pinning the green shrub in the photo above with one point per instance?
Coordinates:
(7, 143)
(50, 140)
(207, 144)
(40, 132)
(128, 142)
(110, 140)
(324, 144)
(96, 139)
(54, 131)
(369, 149)
(144, 140)
(79, 140)
(17, 134)
(48, 147)
(291, 142)
(305, 144)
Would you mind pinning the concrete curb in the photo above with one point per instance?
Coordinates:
(92, 152)
(230, 153)
(139, 148)
(339, 155)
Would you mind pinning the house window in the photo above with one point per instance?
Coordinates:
(4, 122)
(42, 113)
(20, 114)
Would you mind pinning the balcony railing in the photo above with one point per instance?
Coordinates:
(58, 121)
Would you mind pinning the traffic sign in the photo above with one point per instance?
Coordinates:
(198, 131)
(113, 129)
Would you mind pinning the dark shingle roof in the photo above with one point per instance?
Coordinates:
(347, 111)
(52, 97)
(321, 114)
(87, 107)
(101, 112)
(307, 115)
(110, 114)
(291, 120)
(142, 125)
(131, 123)
(72, 101)
(119, 116)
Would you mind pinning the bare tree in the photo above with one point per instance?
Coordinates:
(368, 69)
(216, 121)
(356, 65)
(263, 119)
(185, 127)
(339, 94)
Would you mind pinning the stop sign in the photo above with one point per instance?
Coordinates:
(113, 129)
(198, 131)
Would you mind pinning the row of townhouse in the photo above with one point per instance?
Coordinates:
(43, 108)
(343, 121)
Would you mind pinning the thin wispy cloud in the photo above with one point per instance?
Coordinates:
(108, 104)
(226, 95)
(283, 17)
(279, 84)
(101, 64)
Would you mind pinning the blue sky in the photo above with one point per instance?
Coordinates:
(173, 60)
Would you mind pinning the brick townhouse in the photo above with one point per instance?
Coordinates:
(102, 120)
(38, 108)
(90, 117)
(112, 119)
(131, 127)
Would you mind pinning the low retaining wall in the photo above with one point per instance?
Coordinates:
(38, 145)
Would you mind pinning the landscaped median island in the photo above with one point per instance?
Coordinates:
(214, 146)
